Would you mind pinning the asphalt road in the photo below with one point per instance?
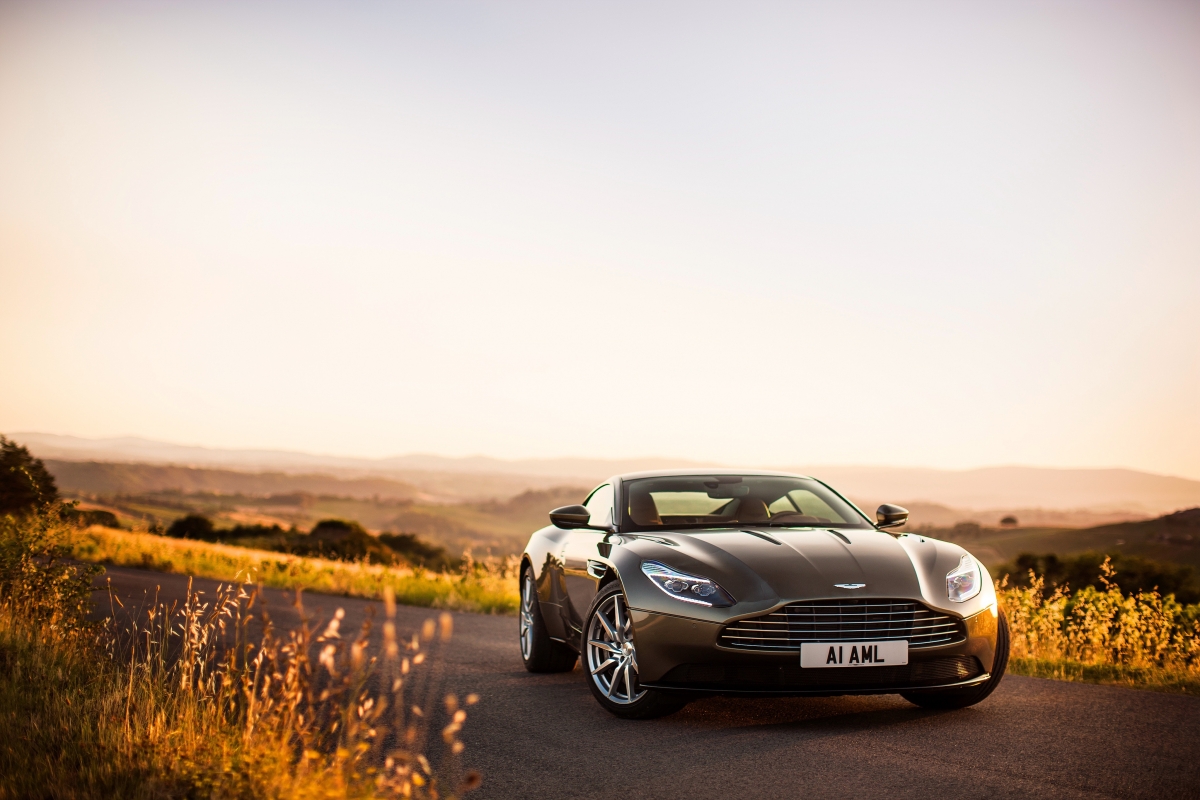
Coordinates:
(543, 736)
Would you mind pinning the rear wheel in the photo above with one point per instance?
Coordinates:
(539, 652)
(961, 698)
(610, 661)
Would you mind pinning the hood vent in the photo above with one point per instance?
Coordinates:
(762, 536)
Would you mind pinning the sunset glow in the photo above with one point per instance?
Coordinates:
(941, 236)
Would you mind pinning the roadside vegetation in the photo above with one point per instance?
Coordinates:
(1121, 620)
(1136, 574)
(1099, 634)
(330, 538)
(487, 586)
(181, 701)
(336, 557)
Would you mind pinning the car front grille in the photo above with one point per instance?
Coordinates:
(866, 620)
(794, 678)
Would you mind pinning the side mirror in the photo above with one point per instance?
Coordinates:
(890, 516)
(571, 517)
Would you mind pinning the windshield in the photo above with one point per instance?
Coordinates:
(691, 501)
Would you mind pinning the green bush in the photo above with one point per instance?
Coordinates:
(336, 539)
(347, 541)
(193, 526)
(87, 517)
(25, 484)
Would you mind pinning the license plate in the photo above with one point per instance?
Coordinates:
(853, 654)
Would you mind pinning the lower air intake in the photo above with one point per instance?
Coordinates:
(764, 678)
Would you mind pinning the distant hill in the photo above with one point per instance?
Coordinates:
(1171, 538)
(934, 515)
(451, 479)
(99, 478)
(137, 450)
(1098, 490)
(1028, 491)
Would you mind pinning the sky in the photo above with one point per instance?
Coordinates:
(932, 234)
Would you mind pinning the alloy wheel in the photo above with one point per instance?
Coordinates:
(611, 655)
(528, 592)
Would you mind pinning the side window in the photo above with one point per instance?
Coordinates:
(600, 504)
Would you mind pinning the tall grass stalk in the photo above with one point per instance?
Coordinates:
(184, 702)
(1101, 635)
(487, 586)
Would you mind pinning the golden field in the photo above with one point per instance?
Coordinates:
(1095, 635)
(171, 707)
(488, 586)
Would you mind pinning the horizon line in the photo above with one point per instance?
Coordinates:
(527, 459)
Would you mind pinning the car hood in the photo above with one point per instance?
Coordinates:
(767, 567)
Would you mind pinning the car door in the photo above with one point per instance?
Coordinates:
(579, 548)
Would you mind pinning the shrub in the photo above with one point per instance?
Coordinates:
(193, 526)
(250, 532)
(25, 484)
(348, 541)
(87, 517)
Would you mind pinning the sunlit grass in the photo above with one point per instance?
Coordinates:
(1101, 635)
(179, 702)
(488, 586)
(1092, 635)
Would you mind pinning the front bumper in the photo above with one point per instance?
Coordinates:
(679, 653)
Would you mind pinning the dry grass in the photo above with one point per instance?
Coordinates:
(488, 586)
(1101, 635)
(181, 702)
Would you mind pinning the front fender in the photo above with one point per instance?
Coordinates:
(542, 556)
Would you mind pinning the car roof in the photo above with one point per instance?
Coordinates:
(686, 473)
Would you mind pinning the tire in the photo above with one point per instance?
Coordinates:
(609, 660)
(961, 698)
(539, 652)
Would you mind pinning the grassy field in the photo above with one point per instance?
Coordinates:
(488, 587)
(497, 527)
(159, 709)
(1093, 635)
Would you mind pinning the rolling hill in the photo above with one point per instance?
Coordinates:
(1171, 538)
(984, 491)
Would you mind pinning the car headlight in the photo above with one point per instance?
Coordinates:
(685, 587)
(963, 583)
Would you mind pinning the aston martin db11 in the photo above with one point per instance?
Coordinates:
(673, 585)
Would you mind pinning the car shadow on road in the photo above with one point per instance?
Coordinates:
(741, 712)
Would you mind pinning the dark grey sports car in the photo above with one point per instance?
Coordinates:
(673, 585)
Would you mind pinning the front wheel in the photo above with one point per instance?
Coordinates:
(610, 661)
(961, 698)
(539, 652)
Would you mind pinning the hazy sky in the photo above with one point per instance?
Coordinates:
(943, 234)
